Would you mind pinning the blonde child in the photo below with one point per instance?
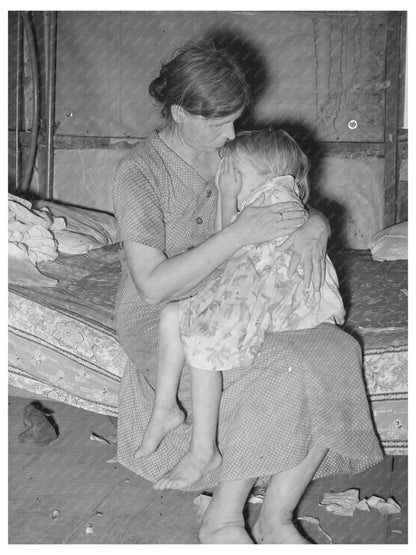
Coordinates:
(223, 326)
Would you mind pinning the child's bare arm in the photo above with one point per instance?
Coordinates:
(229, 185)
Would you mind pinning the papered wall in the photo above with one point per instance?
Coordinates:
(317, 69)
(311, 73)
(348, 191)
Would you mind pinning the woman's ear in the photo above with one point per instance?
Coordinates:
(178, 113)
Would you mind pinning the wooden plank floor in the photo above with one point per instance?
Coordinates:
(72, 475)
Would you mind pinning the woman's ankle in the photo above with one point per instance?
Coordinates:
(278, 528)
(204, 449)
(221, 527)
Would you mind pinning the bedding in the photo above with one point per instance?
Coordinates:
(375, 295)
(85, 229)
(390, 243)
(63, 346)
(62, 342)
(30, 240)
(44, 229)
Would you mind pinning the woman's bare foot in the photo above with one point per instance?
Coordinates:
(280, 531)
(218, 528)
(189, 469)
(161, 422)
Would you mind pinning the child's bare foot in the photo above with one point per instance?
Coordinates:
(161, 422)
(189, 470)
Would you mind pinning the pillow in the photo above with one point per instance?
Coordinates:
(85, 230)
(390, 243)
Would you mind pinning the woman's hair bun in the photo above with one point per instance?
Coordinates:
(157, 88)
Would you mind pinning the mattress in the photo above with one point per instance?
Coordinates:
(63, 346)
(62, 342)
(375, 295)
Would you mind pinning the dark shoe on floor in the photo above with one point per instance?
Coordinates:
(39, 427)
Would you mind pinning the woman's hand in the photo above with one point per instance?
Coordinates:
(309, 249)
(228, 178)
(259, 224)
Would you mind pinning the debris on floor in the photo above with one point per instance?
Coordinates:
(55, 514)
(341, 503)
(315, 521)
(345, 503)
(40, 426)
(100, 439)
(89, 529)
(389, 507)
(201, 503)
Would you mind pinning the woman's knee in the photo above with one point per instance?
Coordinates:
(345, 344)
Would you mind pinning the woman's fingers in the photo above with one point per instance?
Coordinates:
(295, 261)
(285, 227)
(318, 268)
(308, 271)
(283, 210)
(289, 211)
(291, 215)
(284, 206)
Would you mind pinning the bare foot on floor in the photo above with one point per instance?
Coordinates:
(278, 533)
(229, 534)
(227, 528)
(161, 422)
(189, 470)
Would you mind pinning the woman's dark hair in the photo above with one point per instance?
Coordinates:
(203, 79)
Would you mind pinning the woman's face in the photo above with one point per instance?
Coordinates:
(207, 134)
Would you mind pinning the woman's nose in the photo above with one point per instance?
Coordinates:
(229, 132)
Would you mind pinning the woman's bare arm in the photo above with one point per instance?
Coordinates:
(158, 278)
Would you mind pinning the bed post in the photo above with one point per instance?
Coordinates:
(27, 24)
(50, 40)
(18, 99)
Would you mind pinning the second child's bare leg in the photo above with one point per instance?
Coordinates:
(166, 415)
(203, 455)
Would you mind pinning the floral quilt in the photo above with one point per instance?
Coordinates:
(62, 342)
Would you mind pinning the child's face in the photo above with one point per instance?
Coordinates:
(251, 178)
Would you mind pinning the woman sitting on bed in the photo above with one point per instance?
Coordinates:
(273, 418)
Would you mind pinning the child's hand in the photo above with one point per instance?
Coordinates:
(228, 179)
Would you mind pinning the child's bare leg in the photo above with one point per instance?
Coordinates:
(203, 455)
(166, 415)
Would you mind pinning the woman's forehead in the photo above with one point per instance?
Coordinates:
(227, 119)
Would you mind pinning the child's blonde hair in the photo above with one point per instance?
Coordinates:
(272, 153)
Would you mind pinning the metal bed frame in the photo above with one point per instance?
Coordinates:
(25, 31)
